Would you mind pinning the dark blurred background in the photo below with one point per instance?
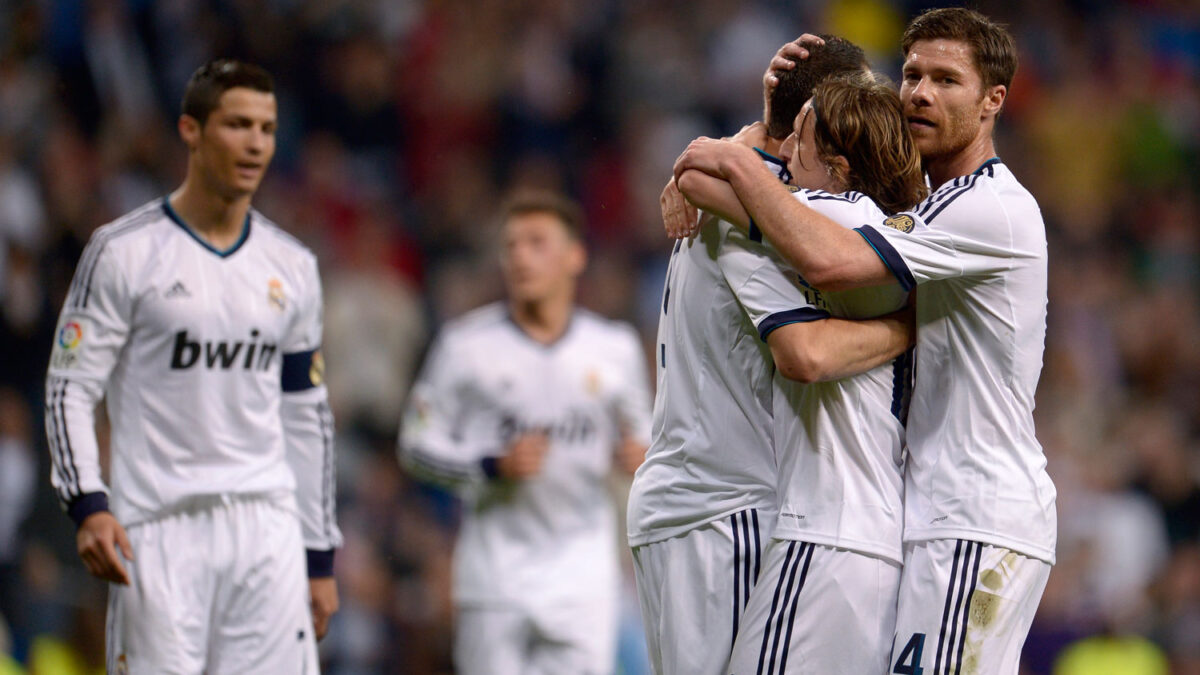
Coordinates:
(403, 123)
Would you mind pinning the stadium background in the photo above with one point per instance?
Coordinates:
(404, 122)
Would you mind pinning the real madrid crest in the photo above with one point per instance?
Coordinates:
(591, 382)
(902, 222)
(275, 294)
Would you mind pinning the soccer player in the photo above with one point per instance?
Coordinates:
(704, 503)
(199, 322)
(832, 570)
(523, 407)
(980, 524)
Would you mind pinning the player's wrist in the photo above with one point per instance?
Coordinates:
(490, 466)
(86, 505)
(320, 563)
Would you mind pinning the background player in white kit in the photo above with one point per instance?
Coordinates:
(199, 322)
(980, 524)
(704, 503)
(832, 570)
(523, 406)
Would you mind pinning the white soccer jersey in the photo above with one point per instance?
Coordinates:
(712, 452)
(839, 443)
(976, 252)
(209, 365)
(549, 539)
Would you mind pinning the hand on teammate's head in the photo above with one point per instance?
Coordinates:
(786, 57)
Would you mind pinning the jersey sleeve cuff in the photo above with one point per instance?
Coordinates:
(781, 319)
(320, 563)
(82, 507)
(490, 466)
(888, 254)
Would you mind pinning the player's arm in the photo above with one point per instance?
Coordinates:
(432, 446)
(713, 195)
(633, 406)
(826, 254)
(92, 329)
(308, 438)
(832, 348)
(807, 344)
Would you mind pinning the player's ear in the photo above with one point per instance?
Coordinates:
(189, 131)
(578, 257)
(993, 100)
(839, 169)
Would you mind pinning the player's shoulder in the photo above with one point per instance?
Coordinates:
(850, 208)
(847, 197)
(990, 194)
(281, 239)
(602, 328)
(139, 224)
(477, 323)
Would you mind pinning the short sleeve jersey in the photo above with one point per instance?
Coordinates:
(712, 451)
(839, 443)
(975, 250)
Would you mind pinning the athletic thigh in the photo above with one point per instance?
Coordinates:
(579, 638)
(262, 620)
(490, 640)
(818, 610)
(965, 606)
(159, 622)
(693, 589)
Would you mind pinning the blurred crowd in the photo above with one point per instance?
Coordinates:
(402, 125)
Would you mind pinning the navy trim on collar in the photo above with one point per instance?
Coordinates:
(991, 162)
(187, 228)
(769, 157)
(544, 345)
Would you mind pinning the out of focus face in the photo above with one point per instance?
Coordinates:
(943, 97)
(800, 152)
(234, 147)
(540, 259)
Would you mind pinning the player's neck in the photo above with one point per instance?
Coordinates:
(773, 147)
(545, 320)
(214, 218)
(966, 161)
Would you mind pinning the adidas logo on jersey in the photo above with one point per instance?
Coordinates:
(177, 290)
(222, 355)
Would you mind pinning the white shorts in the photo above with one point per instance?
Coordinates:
(693, 589)
(569, 638)
(965, 607)
(220, 588)
(818, 610)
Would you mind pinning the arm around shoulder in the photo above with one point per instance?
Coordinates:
(832, 349)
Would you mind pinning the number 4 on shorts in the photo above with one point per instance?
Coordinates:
(909, 662)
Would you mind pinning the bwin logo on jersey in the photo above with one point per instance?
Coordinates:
(222, 355)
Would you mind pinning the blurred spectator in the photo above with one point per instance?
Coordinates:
(18, 480)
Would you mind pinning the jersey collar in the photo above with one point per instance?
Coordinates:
(187, 228)
(991, 162)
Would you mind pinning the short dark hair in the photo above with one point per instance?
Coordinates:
(529, 201)
(992, 47)
(213, 79)
(836, 56)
